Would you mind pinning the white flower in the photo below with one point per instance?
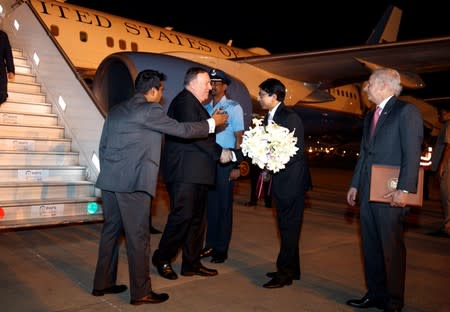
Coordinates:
(270, 147)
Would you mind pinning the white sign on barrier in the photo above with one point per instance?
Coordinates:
(32, 175)
(47, 211)
(22, 145)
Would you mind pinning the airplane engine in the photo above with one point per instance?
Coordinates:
(114, 79)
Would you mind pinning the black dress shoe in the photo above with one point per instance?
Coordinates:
(365, 303)
(218, 257)
(275, 274)
(110, 290)
(277, 283)
(202, 271)
(206, 252)
(151, 298)
(164, 269)
(154, 230)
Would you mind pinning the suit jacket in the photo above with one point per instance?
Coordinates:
(397, 141)
(189, 160)
(130, 145)
(7, 60)
(295, 177)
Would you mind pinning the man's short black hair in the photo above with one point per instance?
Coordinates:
(274, 86)
(148, 79)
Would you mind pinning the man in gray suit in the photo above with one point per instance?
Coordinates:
(395, 140)
(130, 149)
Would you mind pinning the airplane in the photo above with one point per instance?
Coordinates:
(320, 85)
(64, 46)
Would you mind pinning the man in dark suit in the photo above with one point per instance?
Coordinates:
(289, 185)
(130, 149)
(394, 140)
(7, 60)
(188, 167)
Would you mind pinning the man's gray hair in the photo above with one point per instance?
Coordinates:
(389, 76)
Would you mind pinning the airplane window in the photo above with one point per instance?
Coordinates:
(54, 30)
(122, 44)
(110, 42)
(134, 47)
(83, 36)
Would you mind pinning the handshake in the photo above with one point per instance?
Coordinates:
(231, 155)
(220, 117)
(226, 156)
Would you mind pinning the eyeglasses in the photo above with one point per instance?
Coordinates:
(263, 94)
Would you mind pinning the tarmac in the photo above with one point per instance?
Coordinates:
(51, 269)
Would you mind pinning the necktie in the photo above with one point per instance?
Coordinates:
(375, 117)
(267, 118)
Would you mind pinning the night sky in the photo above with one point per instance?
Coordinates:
(279, 27)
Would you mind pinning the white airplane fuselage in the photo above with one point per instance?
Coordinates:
(89, 36)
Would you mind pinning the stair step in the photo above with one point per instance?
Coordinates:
(22, 69)
(26, 97)
(20, 60)
(21, 131)
(28, 119)
(45, 190)
(24, 78)
(35, 144)
(25, 158)
(18, 106)
(42, 173)
(17, 52)
(56, 211)
(26, 87)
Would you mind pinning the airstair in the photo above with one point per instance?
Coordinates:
(41, 180)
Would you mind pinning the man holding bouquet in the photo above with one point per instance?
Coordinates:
(289, 184)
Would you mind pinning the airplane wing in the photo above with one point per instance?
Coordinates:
(328, 67)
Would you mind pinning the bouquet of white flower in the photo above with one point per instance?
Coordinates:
(270, 147)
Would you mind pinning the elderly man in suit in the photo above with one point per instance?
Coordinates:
(392, 135)
(130, 149)
(289, 185)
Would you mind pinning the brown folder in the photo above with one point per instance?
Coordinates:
(384, 180)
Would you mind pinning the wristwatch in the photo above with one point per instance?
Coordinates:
(404, 191)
